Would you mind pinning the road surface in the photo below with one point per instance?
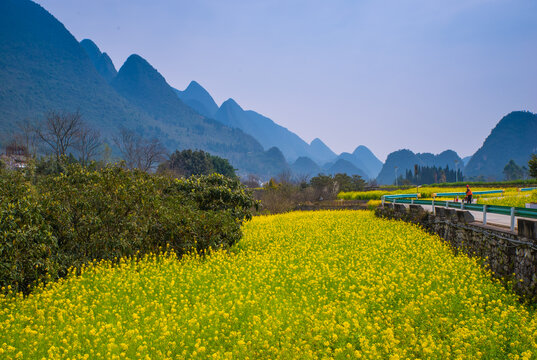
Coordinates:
(492, 219)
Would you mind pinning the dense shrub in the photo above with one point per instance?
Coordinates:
(217, 192)
(27, 245)
(82, 215)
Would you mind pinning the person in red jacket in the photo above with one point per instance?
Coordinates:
(468, 195)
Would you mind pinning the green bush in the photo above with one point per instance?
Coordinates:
(27, 245)
(217, 192)
(83, 215)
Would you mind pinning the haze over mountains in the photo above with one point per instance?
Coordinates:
(44, 68)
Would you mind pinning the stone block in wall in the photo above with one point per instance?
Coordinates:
(451, 214)
(464, 216)
(399, 207)
(416, 208)
(527, 228)
(440, 211)
(388, 205)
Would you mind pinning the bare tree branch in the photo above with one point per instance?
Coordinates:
(139, 153)
(59, 131)
(26, 136)
(88, 143)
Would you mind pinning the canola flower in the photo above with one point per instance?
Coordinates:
(310, 285)
(425, 191)
(515, 200)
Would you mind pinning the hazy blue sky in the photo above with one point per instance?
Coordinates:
(389, 74)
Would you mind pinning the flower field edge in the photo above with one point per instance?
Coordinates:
(326, 284)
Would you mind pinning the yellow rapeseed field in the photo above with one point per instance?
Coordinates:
(425, 191)
(310, 285)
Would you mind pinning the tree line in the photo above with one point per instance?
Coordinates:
(430, 175)
(60, 135)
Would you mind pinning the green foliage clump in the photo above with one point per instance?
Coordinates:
(198, 162)
(27, 244)
(81, 215)
(328, 186)
(217, 193)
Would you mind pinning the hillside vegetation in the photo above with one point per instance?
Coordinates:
(301, 285)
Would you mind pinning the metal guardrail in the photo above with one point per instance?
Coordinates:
(528, 189)
(453, 194)
(485, 209)
(402, 196)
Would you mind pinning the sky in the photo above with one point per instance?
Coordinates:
(424, 75)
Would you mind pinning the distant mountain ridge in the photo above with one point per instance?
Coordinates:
(266, 131)
(372, 164)
(405, 160)
(365, 160)
(319, 150)
(44, 68)
(101, 61)
(199, 99)
(513, 138)
(342, 166)
(262, 128)
(305, 167)
(184, 128)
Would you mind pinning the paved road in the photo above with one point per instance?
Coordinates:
(492, 219)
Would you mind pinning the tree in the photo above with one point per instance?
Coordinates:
(324, 186)
(512, 171)
(222, 166)
(284, 177)
(348, 183)
(88, 143)
(139, 153)
(26, 136)
(532, 164)
(59, 131)
(198, 162)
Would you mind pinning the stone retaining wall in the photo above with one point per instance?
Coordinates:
(512, 256)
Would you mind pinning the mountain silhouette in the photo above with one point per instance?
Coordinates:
(372, 165)
(304, 166)
(355, 161)
(320, 152)
(101, 61)
(265, 130)
(513, 138)
(342, 166)
(262, 128)
(183, 128)
(198, 99)
(44, 68)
